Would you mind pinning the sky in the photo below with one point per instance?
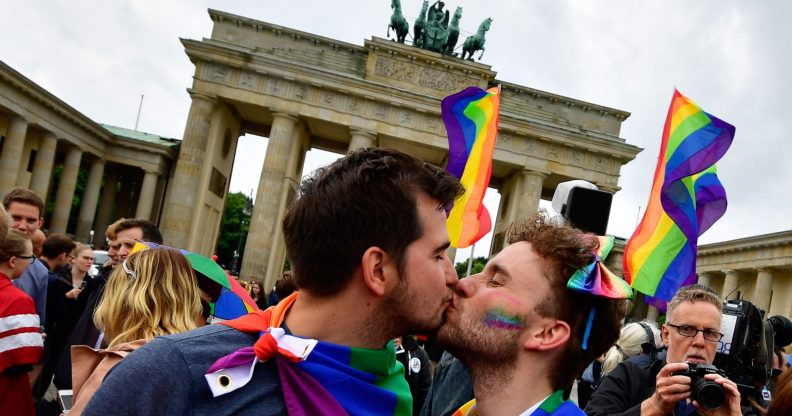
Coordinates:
(731, 57)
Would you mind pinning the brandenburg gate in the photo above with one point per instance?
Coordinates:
(306, 91)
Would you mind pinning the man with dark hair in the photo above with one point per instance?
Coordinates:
(366, 239)
(526, 328)
(692, 335)
(56, 251)
(131, 230)
(26, 210)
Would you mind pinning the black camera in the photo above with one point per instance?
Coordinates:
(707, 393)
(745, 353)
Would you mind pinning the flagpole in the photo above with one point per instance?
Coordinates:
(470, 260)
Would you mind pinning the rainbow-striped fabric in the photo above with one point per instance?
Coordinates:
(471, 120)
(317, 377)
(686, 199)
(555, 405)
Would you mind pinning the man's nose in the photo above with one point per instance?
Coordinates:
(699, 338)
(451, 276)
(466, 287)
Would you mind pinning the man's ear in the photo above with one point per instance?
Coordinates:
(665, 334)
(374, 265)
(549, 336)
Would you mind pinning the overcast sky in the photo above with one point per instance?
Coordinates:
(728, 56)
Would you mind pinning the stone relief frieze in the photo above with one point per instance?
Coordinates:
(380, 111)
(248, 81)
(425, 77)
(355, 105)
(301, 92)
(220, 73)
(405, 117)
(275, 86)
(328, 97)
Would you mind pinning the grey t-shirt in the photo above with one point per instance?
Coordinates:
(166, 377)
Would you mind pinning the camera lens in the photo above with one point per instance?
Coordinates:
(708, 394)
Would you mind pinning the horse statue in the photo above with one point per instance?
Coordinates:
(453, 32)
(397, 22)
(418, 27)
(476, 42)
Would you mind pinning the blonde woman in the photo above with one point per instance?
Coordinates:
(154, 292)
(635, 339)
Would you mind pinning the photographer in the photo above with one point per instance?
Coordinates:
(691, 333)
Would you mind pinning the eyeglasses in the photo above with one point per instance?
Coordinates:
(691, 331)
(32, 258)
(128, 271)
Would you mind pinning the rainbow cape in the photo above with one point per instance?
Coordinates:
(555, 405)
(686, 199)
(471, 120)
(317, 377)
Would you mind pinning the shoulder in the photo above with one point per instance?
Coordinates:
(13, 301)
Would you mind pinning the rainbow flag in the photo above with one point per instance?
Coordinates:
(686, 200)
(471, 120)
(317, 377)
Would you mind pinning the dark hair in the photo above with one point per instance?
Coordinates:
(150, 231)
(782, 396)
(56, 244)
(285, 285)
(568, 249)
(365, 199)
(24, 196)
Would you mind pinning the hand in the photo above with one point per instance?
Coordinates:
(669, 390)
(73, 294)
(731, 406)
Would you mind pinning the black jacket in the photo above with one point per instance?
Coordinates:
(623, 389)
(417, 371)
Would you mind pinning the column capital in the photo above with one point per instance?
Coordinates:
(536, 173)
(362, 132)
(764, 270)
(282, 114)
(17, 118)
(195, 95)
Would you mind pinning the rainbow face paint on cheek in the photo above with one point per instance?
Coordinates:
(499, 319)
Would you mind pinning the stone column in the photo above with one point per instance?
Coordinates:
(89, 200)
(105, 216)
(528, 195)
(183, 190)
(42, 166)
(730, 283)
(263, 223)
(146, 195)
(704, 278)
(652, 313)
(763, 288)
(12, 153)
(362, 139)
(63, 199)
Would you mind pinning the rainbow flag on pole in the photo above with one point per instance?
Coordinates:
(471, 120)
(686, 199)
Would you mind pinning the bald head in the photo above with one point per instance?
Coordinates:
(37, 239)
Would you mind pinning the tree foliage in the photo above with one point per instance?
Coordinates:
(233, 229)
(478, 266)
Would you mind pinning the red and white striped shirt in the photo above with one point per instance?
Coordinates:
(20, 334)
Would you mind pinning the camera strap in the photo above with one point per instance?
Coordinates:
(650, 339)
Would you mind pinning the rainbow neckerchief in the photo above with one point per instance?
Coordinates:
(316, 377)
(555, 405)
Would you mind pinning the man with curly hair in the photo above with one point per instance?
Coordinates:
(522, 332)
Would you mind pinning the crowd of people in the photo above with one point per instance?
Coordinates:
(366, 241)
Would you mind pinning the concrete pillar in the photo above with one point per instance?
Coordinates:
(12, 153)
(652, 313)
(263, 223)
(362, 139)
(63, 199)
(704, 278)
(183, 190)
(146, 195)
(42, 166)
(763, 288)
(105, 216)
(90, 198)
(528, 195)
(730, 283)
